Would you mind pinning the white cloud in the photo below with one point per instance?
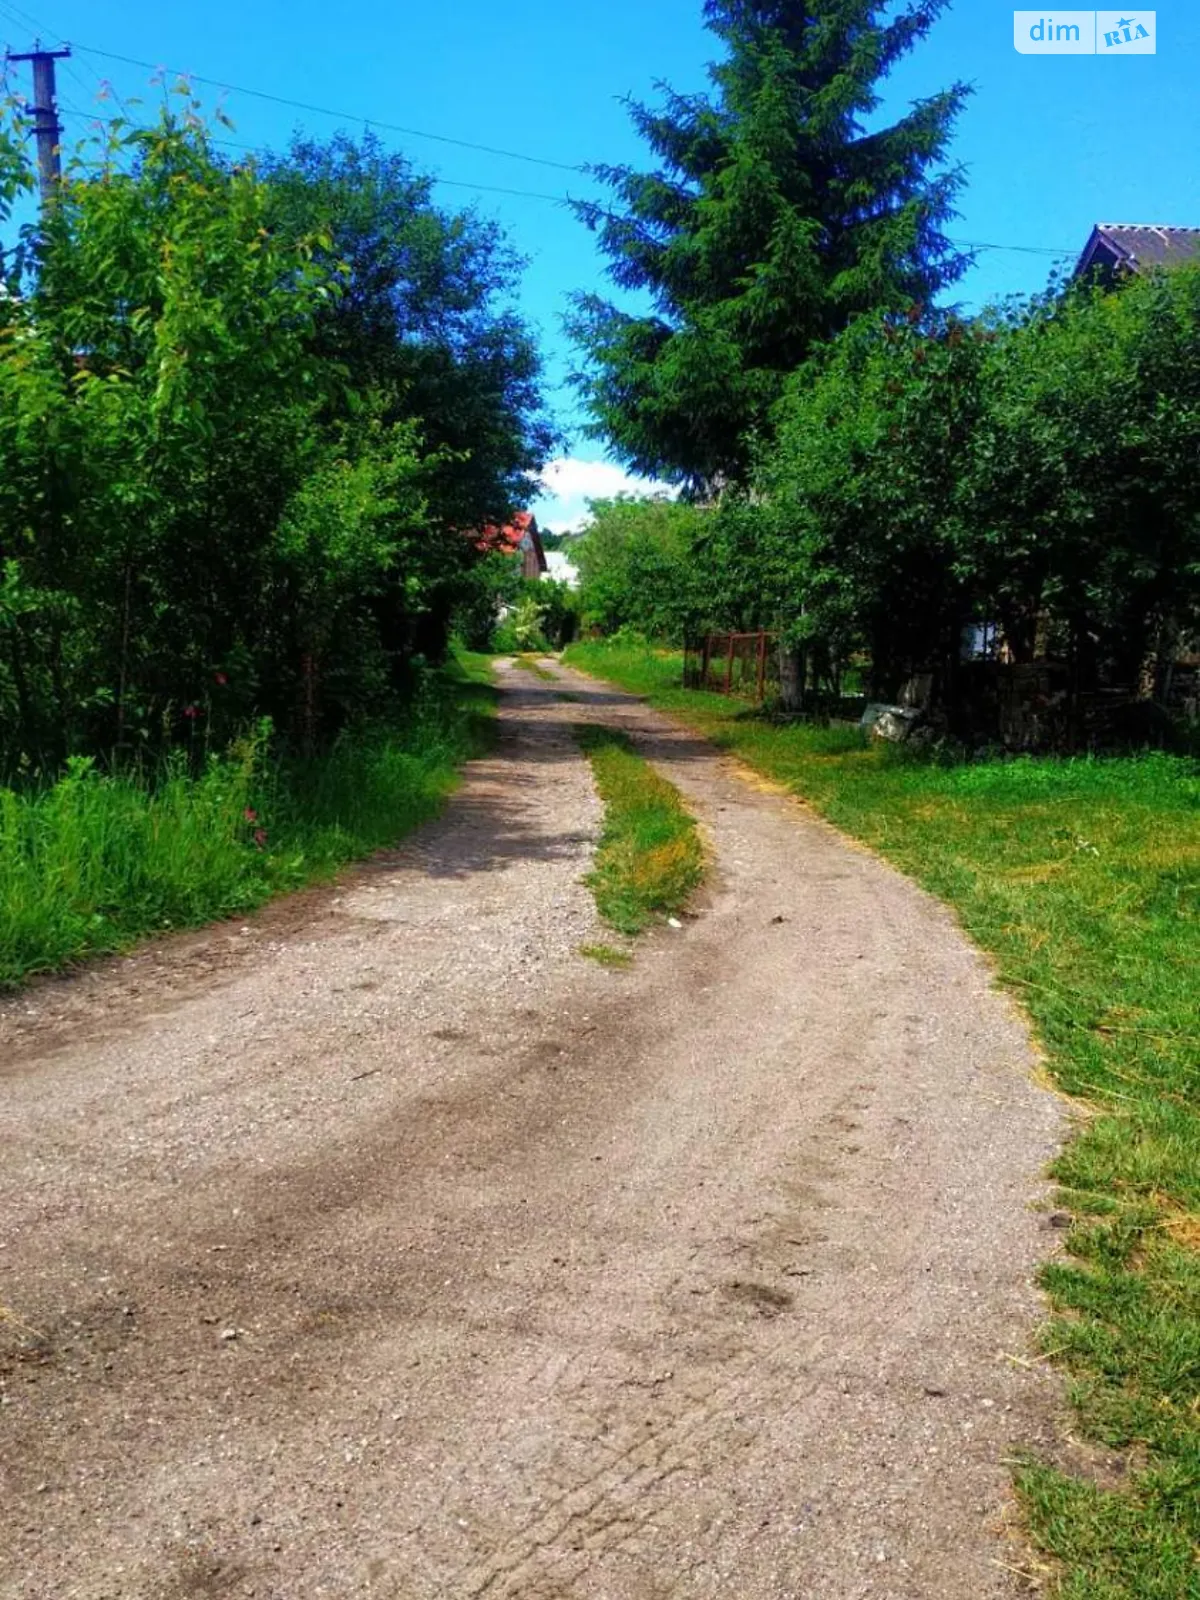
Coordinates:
(569, 483)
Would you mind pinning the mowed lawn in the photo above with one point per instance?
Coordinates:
(1082, 878)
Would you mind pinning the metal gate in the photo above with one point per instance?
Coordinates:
(741, 664)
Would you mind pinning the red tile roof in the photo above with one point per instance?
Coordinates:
(520, 537)
(511, 536)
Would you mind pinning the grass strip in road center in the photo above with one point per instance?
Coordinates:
(1082, 878)
(529, 663)
(650, 858)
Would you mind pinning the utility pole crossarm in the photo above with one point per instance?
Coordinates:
(44, 110)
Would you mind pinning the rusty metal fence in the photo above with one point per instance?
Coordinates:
(741, 664)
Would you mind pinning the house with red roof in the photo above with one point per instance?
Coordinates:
(520, 537)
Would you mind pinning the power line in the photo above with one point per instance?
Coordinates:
(538, 194)
(19, 18)
(465, 144)
(250, 149)
(565, 199)
(25, 19)
(327, 111)
(492, 188)
(1024, 249)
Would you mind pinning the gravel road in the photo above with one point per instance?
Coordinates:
(383, 1245)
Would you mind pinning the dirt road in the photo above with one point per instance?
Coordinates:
(385, 1246)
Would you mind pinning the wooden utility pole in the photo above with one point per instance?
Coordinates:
(44, 110)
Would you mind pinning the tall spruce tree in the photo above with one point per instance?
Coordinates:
(775, 216)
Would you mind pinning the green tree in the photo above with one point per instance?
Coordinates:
(774, 218)
(250, 419)
(1082, 492)
(859, 501)
(354, 530)
(158, 398)
(638, 566)
(1035, 469)
(491, 586)
(425, 318)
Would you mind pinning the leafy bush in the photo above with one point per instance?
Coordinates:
(522, 628)
(639, 568)
(1034, 470)
(490, 588)
(560, 607)
(269, 399)
(543, 615)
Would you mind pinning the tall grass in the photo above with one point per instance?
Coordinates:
(1082, 878)
(96, 861)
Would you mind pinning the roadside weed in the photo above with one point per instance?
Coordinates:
(606, 955)
(96, 861)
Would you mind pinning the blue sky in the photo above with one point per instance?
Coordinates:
(1051, 144)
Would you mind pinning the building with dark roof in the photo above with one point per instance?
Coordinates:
(1119, 247)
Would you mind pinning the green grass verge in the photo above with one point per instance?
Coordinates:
(650, 858)
(1082, 878)
(94, 863)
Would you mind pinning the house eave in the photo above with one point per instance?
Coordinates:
(1098, 244)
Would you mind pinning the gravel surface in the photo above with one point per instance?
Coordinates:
(383, 1245)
